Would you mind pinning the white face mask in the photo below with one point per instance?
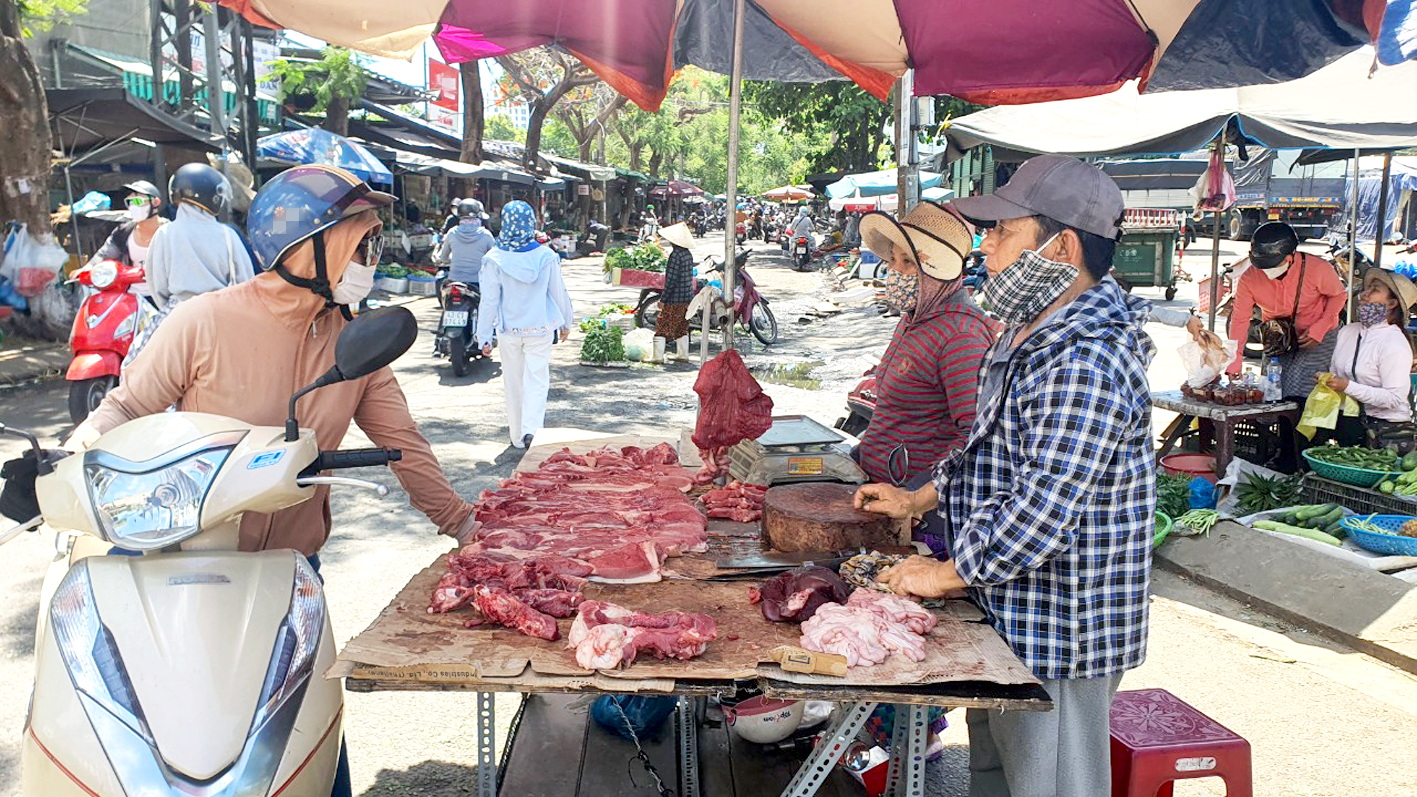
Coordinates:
(140, 212)
(354, 285)
(1276, 272)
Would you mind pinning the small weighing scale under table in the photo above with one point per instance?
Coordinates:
(795, 449)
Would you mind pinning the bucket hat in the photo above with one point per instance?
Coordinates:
(934, 237)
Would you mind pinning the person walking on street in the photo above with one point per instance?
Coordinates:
(1048, 508)
(672, 323)
(525, 308)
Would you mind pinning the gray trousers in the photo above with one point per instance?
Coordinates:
(1060, 753)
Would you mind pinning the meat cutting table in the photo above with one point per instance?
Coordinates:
(434, 653)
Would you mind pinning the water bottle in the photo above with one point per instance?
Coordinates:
(1274, 381)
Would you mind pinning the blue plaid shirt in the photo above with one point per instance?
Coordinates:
(1049, 507)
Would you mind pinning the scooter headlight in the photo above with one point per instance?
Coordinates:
(89, 652)
(103, 273)
(143, 510)
(293, 655)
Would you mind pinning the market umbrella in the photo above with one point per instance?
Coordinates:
(317, 145)
(787, 193)
(676, 189)
(876, 183)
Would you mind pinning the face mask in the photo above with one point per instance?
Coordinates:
(470, 221)
(1030, 285)
(140, 212)
(1371, 314)
(902, 290)
(356, 283)
(1276, 272)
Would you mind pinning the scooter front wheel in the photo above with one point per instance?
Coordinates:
(762, 323)
(86, 394)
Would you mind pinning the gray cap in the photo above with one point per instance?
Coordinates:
(1057, 186)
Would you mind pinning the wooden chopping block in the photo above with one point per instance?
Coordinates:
(818, 516)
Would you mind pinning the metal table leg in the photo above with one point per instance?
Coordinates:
(486, 745)
(814, 770)
(688, 737)
(909, 742)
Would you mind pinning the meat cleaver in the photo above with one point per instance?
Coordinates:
(778, 562)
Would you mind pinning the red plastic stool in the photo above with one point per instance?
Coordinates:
(1158, 738)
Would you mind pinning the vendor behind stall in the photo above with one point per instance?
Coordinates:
(1295, 291)
(1372, 361)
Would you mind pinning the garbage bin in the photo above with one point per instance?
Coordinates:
(1146, 255)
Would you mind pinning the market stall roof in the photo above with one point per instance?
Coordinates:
(83, 119)
(875, 183)
(1340, 107)
(1006, 51)
(591, 171)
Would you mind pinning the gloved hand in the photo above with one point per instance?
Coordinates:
(923, 577)
(465, 532)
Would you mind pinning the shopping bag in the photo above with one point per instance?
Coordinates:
(1205, 363)
(1322, 408)
(29, 264)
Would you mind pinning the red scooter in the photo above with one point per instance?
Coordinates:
(103, 331)
(750, 308)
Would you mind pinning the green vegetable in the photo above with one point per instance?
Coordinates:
(1387, 487)
(1200, 519)
(1356, 457)
(603, 345)
(1409, 462)
(1308, 534)
(643, 257)
(1333, 516)
(1256, 493)
(392, 272)
(1314, 510)
(1173, 494)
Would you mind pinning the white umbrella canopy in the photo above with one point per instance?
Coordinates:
(787, 193)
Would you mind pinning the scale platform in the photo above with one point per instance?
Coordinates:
(795, 449)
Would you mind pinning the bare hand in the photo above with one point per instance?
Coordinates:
(885, 500)
(487, 350)
(1338, 383)
(923, 577)
(565, 333)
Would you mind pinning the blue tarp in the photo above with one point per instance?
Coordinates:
(317, 145)
(875, 184)
(1369, 190)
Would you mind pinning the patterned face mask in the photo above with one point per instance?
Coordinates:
(1021, 292)
(902, 290)
(1371, 314)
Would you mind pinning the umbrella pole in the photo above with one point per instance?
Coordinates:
(1353, 238)
(735, 99)
(1215, 244)
(1382, 210)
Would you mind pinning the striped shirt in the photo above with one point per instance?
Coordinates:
(926, 387)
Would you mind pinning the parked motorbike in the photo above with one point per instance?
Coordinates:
(749, 306)
(801, 253)
(102, 333)
(860, 405)
(457, 326)
(740, 233)
(193, 668)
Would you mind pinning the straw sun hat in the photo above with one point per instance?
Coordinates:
(932, 235)
(1396, 284)
(678, 234)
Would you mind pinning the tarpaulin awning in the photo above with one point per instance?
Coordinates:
(83, 119)
(317, 145)
(875, 183)
(590, 171)
(1000, 52)
(1338, 107)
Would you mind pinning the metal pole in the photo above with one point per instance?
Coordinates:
(1353, 275)
(1215, 242)
(216, 93)
(902, 160)
(735, 99)
(1382, 210)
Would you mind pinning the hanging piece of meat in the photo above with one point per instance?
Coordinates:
(606, 635)
(795, 596)
(732, 408)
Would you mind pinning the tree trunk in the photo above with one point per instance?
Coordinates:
(25, 165)
(337, 116)
(472, 112)
(654, 161)
(539, 111)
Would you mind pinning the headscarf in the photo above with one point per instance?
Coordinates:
(518, 227)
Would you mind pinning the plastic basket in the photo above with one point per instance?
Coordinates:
(1163, 527)
(1363, 477)
(1359, 499)
(1392, 544)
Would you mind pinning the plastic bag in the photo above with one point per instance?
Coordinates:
(1205, 364)
(646, 715)
(1322, 408)
(30, 265)
(639, 345)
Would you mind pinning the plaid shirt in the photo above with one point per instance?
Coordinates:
(1049, 506)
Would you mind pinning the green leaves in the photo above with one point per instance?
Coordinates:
(336, 74)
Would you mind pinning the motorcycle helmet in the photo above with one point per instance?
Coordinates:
(200, 185)
(471, 207)
(302, 202)
(1272, 244)
(145, 188)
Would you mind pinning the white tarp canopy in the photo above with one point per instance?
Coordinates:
(1338, 107)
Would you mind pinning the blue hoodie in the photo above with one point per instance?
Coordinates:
(523, 293)
(463, 247)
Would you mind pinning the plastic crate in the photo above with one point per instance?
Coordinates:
(1253, 446)
(1318, 490)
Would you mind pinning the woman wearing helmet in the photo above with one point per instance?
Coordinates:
(196, 253)
(1293, 287)
(241, 353)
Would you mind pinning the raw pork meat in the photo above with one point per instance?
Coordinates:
(739, 502)
(504, 608)
(868, 628)
(794, 596)
(630, 563)
(555, 602)
(607, 635)
(732, 408)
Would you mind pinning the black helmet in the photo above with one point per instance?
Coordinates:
(200, 185)
(145, 188)
(470, 207)
(1272, 243)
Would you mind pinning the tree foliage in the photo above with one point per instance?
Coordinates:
(845, 126)
(41, 15)
(333, 82)
(541, 77)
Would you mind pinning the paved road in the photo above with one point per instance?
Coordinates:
(1323, 720)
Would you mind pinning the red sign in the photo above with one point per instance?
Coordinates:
(444, 80)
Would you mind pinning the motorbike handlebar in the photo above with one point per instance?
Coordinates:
(353, 458)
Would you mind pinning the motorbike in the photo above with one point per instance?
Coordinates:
(801, 253)
(190, 668)
(860, 405)
(699, 226)
(102, 333)
(749, 306)
(457, 325)
(740, 233)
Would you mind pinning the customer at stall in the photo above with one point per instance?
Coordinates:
(672, 323)
(1372, 361)
(928, 378)
(1048, 507)
(526, 309)
(1294, 290)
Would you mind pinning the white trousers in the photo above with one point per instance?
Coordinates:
(526, 378)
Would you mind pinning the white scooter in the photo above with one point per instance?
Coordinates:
(193, 669)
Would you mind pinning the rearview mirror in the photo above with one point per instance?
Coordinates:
(373, 340)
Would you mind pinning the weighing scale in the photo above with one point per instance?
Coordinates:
(795, 449)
